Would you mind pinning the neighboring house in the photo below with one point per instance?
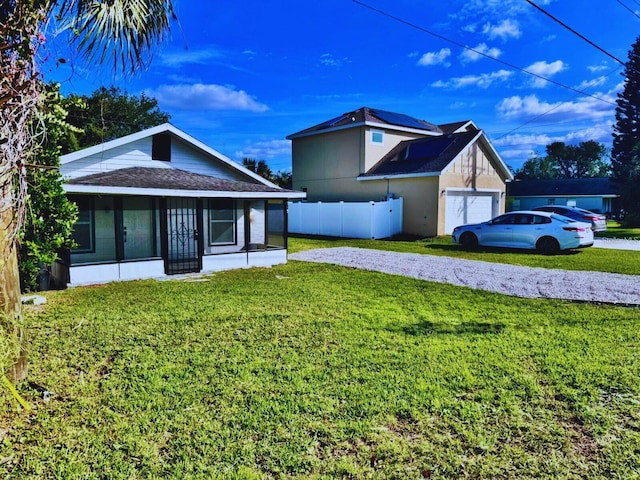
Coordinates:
(447, 174)
(596, 194)
(160, 202)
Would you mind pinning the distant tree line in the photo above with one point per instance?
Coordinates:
(281, 178)
(587, 159)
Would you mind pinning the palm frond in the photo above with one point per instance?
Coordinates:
(121, 31)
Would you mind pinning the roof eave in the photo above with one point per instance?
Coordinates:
(399, 175)
(166, 192)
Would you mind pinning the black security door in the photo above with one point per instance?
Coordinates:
(183, 252)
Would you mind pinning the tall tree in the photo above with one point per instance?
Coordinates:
(110, 113)
(625, 154)
(587, 159)
(121, 31)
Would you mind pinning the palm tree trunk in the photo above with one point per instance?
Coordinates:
(10, 302)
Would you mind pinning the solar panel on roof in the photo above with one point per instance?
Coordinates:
(431, 148)
(399, 119)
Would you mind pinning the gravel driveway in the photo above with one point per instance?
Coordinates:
(512, 280)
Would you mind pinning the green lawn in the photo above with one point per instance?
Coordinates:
(590, 259)
(316, 371)
(615, 230)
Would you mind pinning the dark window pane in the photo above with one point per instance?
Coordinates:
(222, 233)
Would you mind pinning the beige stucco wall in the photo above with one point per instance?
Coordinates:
(420, 194)
(328, 164)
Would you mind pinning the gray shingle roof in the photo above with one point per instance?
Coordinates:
(424, 155)
(168, 178)
(571, 186)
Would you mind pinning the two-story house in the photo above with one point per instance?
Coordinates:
(447, 174)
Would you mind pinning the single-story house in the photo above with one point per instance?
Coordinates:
(447, 174)
(599, 195)
(159, 202)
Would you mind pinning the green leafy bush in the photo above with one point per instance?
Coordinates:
(50, 216)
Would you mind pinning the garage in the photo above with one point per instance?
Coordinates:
(462, 207)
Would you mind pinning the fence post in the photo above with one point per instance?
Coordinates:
(372, 217)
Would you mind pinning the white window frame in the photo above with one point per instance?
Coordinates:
(377, 132)
(233, 221)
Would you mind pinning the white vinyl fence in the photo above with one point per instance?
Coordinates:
(347, 219)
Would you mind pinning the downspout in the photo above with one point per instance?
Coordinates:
(474, 165)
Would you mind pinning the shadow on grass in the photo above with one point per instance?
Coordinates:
(462, 328)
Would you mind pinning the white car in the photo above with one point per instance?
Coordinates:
(543, 231)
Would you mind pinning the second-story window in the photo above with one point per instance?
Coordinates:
(377, 137)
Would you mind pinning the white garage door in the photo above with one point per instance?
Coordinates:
(468, 207)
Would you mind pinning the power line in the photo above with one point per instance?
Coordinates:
(625, 6)
(547, 112)
(477, 52)
(575, 32)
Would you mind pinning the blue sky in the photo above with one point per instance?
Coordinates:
(241, 76)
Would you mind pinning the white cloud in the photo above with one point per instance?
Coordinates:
(200, 96)
(185, 57)
(545, 69)
(594, 82)
(516, 149)
(481, 81)
(265, 149)
(481, 10)
(471, 56)
(329, 60)
(504, 30)
(598, 68)
(585, 108)
(435, 58)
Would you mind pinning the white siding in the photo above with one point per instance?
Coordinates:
(138, 154)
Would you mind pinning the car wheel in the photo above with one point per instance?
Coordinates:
(469, 241)
(548, 245)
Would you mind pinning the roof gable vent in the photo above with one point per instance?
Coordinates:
(161, 147)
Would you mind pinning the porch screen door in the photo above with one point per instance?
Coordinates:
(183, 252)
(138, 228)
